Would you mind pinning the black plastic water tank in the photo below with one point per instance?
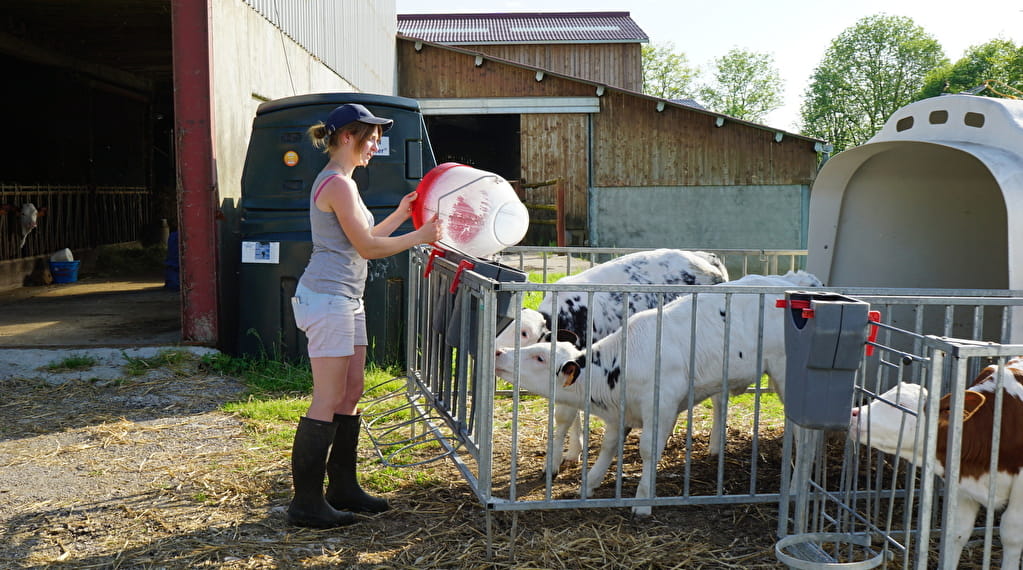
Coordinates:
(280, 166)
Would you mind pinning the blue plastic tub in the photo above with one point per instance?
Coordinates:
(64, 271)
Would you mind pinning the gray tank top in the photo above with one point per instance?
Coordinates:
(334, 268)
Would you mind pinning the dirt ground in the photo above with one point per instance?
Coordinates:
(94, 311)
(147, 472)
(103, 469)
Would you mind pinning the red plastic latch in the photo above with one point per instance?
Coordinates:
(462, 266)
(808, 313)
(793, 304)
(434, 254)
(873, 317)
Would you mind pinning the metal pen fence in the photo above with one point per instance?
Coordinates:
(496, 433)
(72, 216)
(851, 506)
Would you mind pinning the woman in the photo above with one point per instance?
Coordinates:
(328, 307)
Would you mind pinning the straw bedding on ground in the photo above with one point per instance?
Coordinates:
(147, 472)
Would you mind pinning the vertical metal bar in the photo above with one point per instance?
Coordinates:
(658, 437)
(413, 310)
(757, 392)
(552, 402)
(978, 322)
(584, 427)
(690, 397)
(786, 492)
(466, 375)
(513, 467)
(623, 385)
(996, 451)
(929, 477)
(724, 393)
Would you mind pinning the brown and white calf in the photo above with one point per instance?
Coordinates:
(879, 425)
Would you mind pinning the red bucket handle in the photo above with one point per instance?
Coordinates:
(462, 266)
(434, 254)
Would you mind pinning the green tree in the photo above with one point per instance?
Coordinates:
(666, 72)
(997, 59)
(746, 85)
(870, 70)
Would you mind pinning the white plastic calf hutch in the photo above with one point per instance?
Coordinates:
(927, 203)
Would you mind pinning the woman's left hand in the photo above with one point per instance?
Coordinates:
(405, 206)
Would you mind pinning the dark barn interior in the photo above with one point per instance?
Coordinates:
(89, 116)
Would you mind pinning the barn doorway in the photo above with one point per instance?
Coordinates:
(486, 142)
(91, 120)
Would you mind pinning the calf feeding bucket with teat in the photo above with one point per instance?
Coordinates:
(480, 214)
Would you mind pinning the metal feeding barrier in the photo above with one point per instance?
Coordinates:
(450, 404)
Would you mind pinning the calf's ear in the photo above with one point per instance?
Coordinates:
(972, 402)
(571, 371)
(568, 336)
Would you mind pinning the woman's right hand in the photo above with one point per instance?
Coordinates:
(431, 230)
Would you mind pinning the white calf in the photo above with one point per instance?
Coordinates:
(642, 398)
(654, 267)
(531, 329)
(27, 221)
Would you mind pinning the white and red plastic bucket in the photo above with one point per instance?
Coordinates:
(480, 213)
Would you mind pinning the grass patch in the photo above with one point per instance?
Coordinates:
(71, 363)
(387, 479)
(175, 360)
(280, 393)
(269, 409)
(265, 377)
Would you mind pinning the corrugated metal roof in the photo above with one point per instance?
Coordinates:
(522, 27)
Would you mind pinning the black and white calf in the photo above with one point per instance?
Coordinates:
(571, 311)
(642, 398)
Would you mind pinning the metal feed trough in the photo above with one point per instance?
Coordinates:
(451, 405)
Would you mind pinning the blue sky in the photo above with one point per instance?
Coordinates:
(796, 33)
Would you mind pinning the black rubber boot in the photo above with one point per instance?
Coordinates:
(343, 490)
(308, 462)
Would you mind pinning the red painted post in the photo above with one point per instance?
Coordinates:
(560, 211)
(196, 179)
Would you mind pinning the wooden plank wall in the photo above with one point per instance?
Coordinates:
(635, 145)
(554, 146)
(437, 72)
(619, 65)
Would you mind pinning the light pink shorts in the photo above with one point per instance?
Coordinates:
(334, 324)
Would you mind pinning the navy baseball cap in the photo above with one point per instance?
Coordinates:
(351, 112)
